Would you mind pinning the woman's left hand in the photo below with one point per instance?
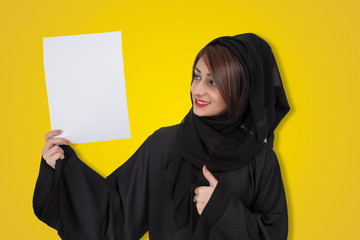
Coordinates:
(204, 193)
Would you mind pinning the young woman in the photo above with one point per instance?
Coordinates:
(213, 176)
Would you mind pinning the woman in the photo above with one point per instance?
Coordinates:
(214, 176)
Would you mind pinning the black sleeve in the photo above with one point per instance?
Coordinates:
(81, 204)
(226, 217)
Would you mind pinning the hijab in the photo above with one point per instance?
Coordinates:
(228, 144)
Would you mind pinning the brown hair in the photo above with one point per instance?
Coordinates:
(226, 72)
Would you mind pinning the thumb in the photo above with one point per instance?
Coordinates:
(211, 179)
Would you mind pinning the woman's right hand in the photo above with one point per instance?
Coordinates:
(52, 152)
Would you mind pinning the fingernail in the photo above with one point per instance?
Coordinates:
(68, 142)
(59, 131)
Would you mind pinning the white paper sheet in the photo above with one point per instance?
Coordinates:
(86, 86)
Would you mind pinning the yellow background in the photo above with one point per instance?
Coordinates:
(316, 44)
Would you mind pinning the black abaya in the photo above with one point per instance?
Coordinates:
(248, 203)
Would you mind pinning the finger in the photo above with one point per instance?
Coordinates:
(52, 160)
(59, 141)
(52, 141)
(211, 179)
(201, 198)
(200, 189)
(55, 149)
(56, 156)
(198, 199)
(52, 134)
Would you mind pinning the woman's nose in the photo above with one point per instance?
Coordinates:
(198, 89)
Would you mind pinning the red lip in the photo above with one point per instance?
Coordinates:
(198, 104)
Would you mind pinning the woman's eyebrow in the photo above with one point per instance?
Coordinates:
(200, 72)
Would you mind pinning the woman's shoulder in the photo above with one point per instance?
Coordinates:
(162, 142)
(265, 160)
(164, 134)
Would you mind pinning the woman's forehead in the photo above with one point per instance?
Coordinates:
(201, 66)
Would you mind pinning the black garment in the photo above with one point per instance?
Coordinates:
(227, 145)
(80, 204)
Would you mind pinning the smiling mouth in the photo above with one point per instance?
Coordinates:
(201, 103)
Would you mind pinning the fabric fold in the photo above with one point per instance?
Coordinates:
(226, 216)
(81, 204)
(212, 212)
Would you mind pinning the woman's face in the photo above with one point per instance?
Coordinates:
(207, 100)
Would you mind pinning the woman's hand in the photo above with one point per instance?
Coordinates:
(52, 152)
(204, 193)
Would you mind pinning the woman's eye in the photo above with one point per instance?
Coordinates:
(212, 82)
(197, 77)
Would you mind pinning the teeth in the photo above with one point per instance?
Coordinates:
(202, 102)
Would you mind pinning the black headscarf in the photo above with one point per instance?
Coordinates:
(226, 145)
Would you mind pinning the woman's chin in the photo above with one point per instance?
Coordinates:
(199, 113)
